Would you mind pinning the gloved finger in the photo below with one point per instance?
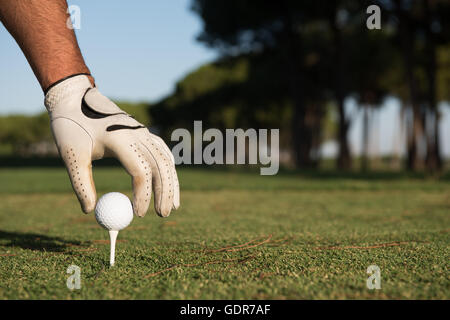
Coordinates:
(75, 147)
(176, 185)
(162, 174)
(133, 159)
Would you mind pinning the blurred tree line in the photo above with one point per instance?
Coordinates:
(292, 64)
(19, 133)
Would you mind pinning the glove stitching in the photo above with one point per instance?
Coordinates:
(169, 171)
(160, 177)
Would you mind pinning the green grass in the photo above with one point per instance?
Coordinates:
(237, 236)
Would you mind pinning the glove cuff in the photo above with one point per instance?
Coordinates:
(69, 87)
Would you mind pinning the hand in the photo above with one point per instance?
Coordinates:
(88, 126)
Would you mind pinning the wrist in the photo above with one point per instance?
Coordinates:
(72, 87)
(92, 80)
(61, 80)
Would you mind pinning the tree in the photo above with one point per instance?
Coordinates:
(244, 91)
(340, 81)
(235, 27)
(421, 28)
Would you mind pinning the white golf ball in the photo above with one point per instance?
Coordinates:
(114, 211)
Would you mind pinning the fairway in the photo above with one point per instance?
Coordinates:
(237, 235)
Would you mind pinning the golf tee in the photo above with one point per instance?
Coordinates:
(112, 237)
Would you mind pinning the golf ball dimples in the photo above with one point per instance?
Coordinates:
(114, 211)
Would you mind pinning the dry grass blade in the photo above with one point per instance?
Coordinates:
(7, 255)
(243, 246)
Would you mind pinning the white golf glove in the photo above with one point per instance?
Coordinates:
(88, 126)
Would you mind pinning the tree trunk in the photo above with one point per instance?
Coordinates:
(410, 140)
(433, 159)
(365, 139)
(407, 43)
(314, 116)
(343, 159)
(301, 135)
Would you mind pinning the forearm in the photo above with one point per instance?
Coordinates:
(40, 29)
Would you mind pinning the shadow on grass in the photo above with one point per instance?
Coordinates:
(37, 242)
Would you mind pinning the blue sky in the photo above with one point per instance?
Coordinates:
(137, 50)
